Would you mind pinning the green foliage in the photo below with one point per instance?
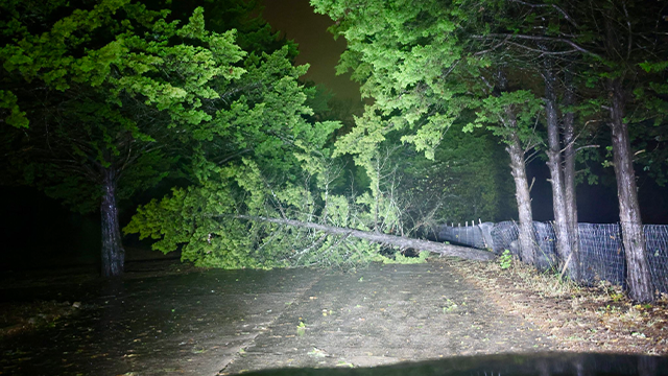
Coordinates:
(493, 113)
(465, 180)
(116, 93)
(627, 50)
(204, 220)
(399, 258)
(652, 150)
(415, 63)
(111, 45)
(140, 94)
(260, 156)
(301, 329)
(450, 306)
(505, 260)
(16, 117)
(654, 66)
(399, 54)
(254, 34)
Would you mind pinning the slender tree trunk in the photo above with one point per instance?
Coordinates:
(554, 164)
(113, 254)
(568, 130)
(527, 236)
(633, 237)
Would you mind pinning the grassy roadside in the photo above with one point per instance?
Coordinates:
(576, 318)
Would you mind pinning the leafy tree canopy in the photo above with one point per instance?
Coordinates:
(121, 47)
(102, 86)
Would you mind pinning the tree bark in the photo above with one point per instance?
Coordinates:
(398, 241)
(527, 238)
(633, 237)
(554, 164)
(568, 130)
(113, 254)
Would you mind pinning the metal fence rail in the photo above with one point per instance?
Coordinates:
(601, 248)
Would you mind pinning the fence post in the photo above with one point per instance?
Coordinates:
(482, 236)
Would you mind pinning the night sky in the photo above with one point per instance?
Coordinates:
(39, 225)
(295, 20)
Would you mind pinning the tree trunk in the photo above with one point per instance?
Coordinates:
(527, 236)
(568, 129)
(113, 254)
(398, 241)
(554, 164)
(633, 238)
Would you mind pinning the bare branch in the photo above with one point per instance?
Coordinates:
(587, 147)
(542, 52)
(492, 48)
(539, 38)
(560, 10)
(628, 25)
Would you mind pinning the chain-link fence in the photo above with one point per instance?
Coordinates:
(601, 253)
(505, 235)
(471, 236)
(656, 240)
(601, 249)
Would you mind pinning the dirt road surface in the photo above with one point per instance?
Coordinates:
(226, 322)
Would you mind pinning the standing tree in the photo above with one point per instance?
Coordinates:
(621, 51)
(511, 115)
(630, 42)
(107, 88)
(536, 37)
(418, 64)
(618, 49)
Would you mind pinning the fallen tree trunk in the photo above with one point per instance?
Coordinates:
(398, 241)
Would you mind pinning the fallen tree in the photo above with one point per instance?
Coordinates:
(397, 241)
(238, 218)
